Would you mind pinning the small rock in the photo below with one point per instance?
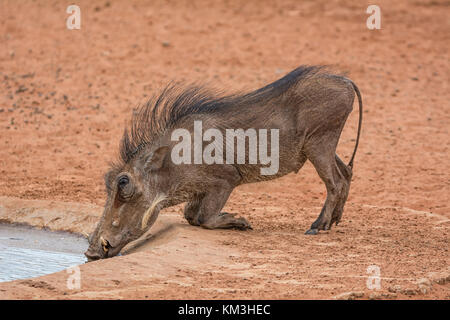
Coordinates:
(409, 291)
(375, 296)
(349, 295)
(389, 295)
(21, 89)
(395, 289)
(425, 285)
(28, 75)
(424, 281)
(443, 280)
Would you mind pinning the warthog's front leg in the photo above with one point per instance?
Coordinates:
(192, 209)
(223, 220)
(210, 215)
(204, 209)
(226, 220)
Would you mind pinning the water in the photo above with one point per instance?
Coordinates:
(26, 252)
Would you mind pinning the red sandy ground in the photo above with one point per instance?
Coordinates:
(66, 94)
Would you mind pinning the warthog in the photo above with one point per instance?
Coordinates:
(309, 107)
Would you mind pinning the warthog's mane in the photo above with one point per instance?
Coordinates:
(175, 102)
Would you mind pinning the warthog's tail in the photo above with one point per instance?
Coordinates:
(350, 164)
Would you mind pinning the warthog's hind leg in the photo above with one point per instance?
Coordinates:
(328, 170)
(347, 173)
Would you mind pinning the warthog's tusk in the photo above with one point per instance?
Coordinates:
(149, 213)
(104, 242)
(87, 235)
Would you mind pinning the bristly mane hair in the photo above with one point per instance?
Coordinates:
(166, 110)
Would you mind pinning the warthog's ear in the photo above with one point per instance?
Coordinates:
(155, 160)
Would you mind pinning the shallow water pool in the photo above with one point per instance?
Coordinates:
(26, 252)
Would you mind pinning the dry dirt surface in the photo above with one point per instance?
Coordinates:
(65, 96)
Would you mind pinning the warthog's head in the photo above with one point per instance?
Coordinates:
(136, 192)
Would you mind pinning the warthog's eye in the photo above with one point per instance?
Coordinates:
(125, 187)
(123, 181)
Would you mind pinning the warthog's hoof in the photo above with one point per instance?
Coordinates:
(246, 225)
(312, 232)
(241, 224)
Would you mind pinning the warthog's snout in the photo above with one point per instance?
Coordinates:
(92, 255)
(99, 250)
